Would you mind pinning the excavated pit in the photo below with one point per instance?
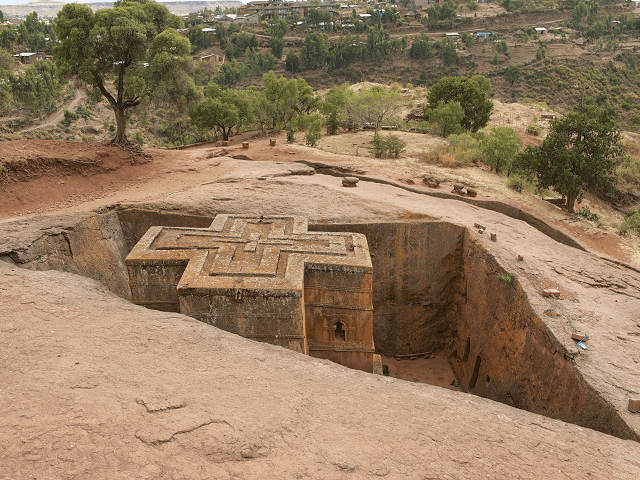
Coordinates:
(436, 294)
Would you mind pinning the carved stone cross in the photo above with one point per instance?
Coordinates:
(265, 278)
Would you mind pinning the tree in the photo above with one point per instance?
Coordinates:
(277, 46)
(421, 47)
(278, 28)
(502, 47)
(468, 40)
(579, 152)
(512, 74)
(471, 93)
(222, 110)
(500, 147)
(283, 100)
(449, 51)
(105, 46)
(374, 106)
(448, 116)
(292, 63)
(314, 51)
(197, 37)
(446, 11)
(334, 107)
(579, 13)
(1, 17)
(7, 62)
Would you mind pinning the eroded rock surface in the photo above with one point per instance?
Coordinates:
(97, 387)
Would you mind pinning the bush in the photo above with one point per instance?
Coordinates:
(390, 146)
(314, 132)
(82, 111)
(394, 146)
(516, 183)
(462, 150)
(68, 118)
(534, 129)
(291, 133)
(377, 147)
(631, 223)
(588, 214)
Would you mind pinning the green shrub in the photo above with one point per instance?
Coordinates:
(588, 214)
(516, 183)
(82, 111)
(314, 132)
(291, 133)
(534, 129)
(69, 117)
(394, 146)
(390, 146)
(377, 145)
(461, 150)
(631, 223)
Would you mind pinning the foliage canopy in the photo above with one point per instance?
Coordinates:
(579, 152)
(471, 93)
(110, 46)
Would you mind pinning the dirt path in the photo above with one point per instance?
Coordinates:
(79, 96)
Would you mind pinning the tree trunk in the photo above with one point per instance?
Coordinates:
(121, 127)
(571, 203)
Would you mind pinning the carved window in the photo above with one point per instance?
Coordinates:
(340, 333)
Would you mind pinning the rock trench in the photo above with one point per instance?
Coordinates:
(435, 290)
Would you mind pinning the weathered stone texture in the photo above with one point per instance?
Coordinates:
(264, 278)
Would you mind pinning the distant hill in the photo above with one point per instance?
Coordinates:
(49, 9)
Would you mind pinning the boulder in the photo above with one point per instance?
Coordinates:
(431, 182)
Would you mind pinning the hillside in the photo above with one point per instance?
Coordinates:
(49, 9)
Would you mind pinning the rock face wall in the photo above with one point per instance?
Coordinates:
(91, 245)
(417, 281)
(505, 352)
(436, 290)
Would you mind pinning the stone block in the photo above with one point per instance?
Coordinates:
(226, 143)
(471, 192)
(350, 181)
(458, 186)
(272, 142)
(431, 182)
(245, 144)
(634, 405)
(494, 237)
(267, 279)
(579, 336)
(551, 292)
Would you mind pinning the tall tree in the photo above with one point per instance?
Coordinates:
(222, 110)
(283, 100)
(375, 106)
(512, 74)
(471, 93)
(448, 116)
(103, 48)
(500, 147)
(580, 151)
